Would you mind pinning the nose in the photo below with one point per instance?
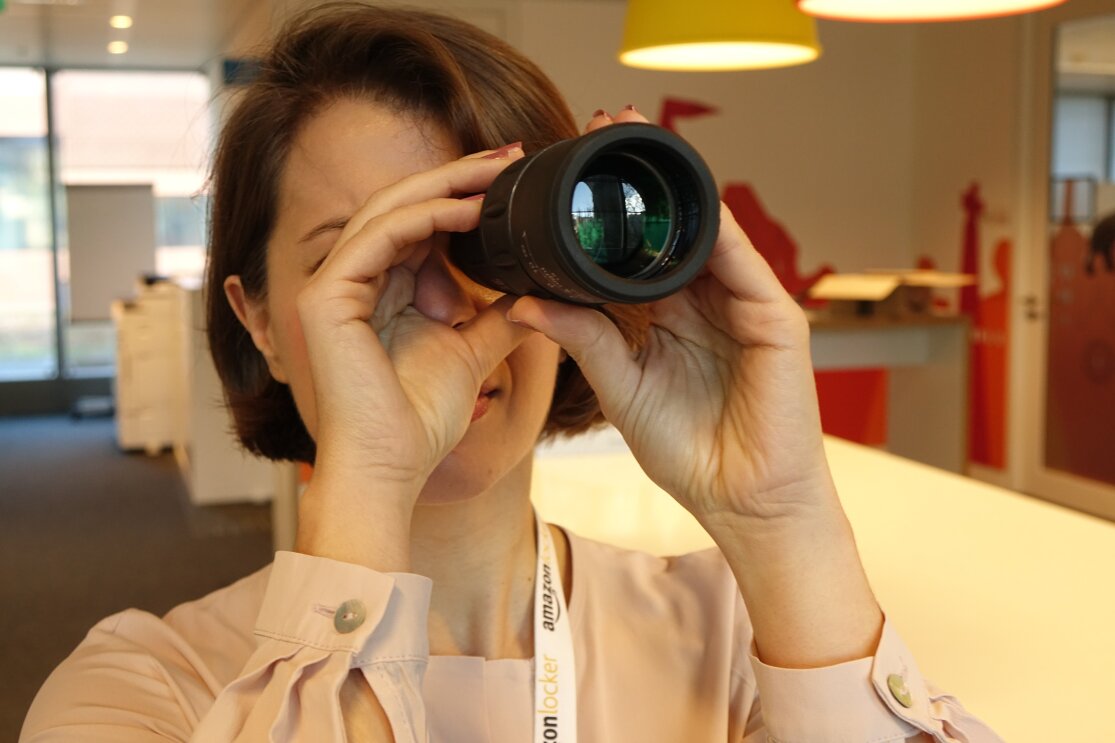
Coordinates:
(441, 293)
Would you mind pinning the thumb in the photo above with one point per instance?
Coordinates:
(491, 337)
(593, 341)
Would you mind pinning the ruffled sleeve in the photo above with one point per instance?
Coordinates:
(319, 619)
(135, 679)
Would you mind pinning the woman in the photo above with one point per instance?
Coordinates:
(422, 599)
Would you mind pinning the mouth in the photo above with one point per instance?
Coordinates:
(487, 393)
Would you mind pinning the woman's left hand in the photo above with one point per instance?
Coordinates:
(720, 406)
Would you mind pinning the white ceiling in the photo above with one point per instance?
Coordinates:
(189, 33)
(170, 33)
(75, 33)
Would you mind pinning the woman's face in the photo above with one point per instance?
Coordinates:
(340, 157)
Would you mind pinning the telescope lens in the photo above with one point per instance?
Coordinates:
(623, 215)
(627, 213)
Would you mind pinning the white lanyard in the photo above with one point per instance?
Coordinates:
(555, 677)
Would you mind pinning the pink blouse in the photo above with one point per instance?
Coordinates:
(662, 645)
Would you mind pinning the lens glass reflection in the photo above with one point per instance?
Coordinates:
(622, 214)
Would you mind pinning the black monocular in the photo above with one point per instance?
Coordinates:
(628, 213)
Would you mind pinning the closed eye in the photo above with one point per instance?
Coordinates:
(336, 223)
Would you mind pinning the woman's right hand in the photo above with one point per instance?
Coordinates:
(394, 390)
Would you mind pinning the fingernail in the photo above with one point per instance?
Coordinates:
(510, 319)
(505, 152)
(630, 107)
(474, 197)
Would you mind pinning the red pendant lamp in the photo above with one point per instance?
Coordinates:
(908, 11)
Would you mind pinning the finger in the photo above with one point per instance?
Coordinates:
(599, 119)
(630, 114)
(500, 153)
(491, 337)
(738, 266)
(468, 175)
(390, 239)
(593, 341)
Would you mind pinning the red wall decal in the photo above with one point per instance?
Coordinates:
(987, 305)
(969, 256)
(678, 108)
(854, 404)
(771, 239)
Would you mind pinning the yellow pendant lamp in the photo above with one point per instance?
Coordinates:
(897, 11)
(717, 35)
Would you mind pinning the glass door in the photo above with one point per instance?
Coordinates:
(1080, 354)
(116, 131)
(1071, 374)
(28, 329)
(85, 135)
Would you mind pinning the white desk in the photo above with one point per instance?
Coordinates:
(1006, 601)
(926, 358)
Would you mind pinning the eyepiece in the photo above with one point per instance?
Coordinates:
(627, 213)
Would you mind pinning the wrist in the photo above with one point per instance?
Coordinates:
(360, 520)
(778, 517)
(804, 586)
(784, 538)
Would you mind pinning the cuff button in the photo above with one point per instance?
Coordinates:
(349, 616)
(898, 690)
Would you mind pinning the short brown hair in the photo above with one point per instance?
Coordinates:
(481, 90)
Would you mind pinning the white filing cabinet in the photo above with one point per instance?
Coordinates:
(147, 367)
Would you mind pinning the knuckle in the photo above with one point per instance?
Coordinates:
(597, 336)
(593, 341)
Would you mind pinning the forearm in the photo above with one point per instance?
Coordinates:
(359, 519)
(804, 586)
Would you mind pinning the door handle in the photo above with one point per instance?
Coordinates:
(1032, 307)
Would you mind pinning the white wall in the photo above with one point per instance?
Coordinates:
(965, 128)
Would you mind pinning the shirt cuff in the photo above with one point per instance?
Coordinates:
(882, 698)
(333, 605)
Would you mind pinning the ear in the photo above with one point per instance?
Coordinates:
(256, 319)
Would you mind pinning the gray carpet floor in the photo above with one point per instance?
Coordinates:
(86, 531)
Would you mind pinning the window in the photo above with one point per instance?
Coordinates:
(147, 130)
(117, 128)
(1081, 137)
(27, 310)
